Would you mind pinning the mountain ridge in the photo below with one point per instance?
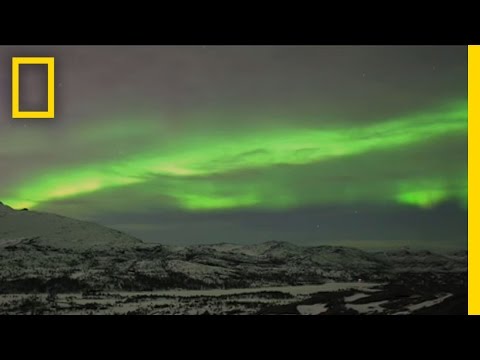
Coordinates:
(59, 231)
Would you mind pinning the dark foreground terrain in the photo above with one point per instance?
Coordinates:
(429, 294)
(415, 294)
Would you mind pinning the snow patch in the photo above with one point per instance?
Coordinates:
(315, 309)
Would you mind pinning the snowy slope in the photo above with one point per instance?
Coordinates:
(58, 231)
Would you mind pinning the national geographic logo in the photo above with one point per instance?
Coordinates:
(49, 113)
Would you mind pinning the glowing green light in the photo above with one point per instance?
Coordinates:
(195, 158)
(428, 193)
(425, 199)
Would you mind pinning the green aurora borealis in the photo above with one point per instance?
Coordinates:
(350, 145)
(188, 167)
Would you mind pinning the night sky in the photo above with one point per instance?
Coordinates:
(358, 146)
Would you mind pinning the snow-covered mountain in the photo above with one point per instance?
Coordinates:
(57, 231)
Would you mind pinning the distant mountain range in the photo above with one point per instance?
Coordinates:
(40, 251)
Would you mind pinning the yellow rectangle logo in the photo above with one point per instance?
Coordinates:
(50, 112)
(473, 180)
